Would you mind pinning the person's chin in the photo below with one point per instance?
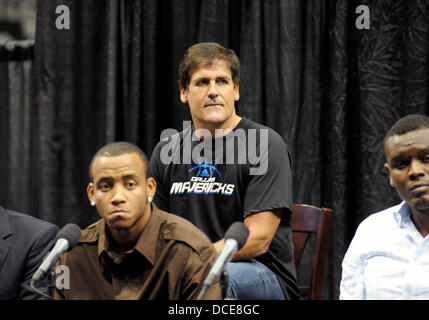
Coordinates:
(214, 112)
(119, 223)
(421, 203)
(214, 118)
(122, 227)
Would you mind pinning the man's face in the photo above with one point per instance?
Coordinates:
(120, 190)
(407, 164)
(211, 96)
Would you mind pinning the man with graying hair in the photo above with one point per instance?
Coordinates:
(135, 251)
(388, 257)
(202, 176)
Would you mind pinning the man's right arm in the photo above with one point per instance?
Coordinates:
(352, 286)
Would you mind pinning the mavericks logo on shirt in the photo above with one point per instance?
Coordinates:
(204, 181)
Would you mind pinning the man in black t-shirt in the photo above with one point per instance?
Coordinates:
(225, 168)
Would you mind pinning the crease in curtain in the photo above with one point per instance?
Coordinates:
(17, 126)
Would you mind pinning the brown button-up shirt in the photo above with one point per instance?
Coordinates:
(169, 261)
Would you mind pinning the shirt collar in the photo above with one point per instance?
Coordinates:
(147, 241)
(103, 242)
(403, 214)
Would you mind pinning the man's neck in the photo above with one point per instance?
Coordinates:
(125, 239)
(213, 131)
(421, 221)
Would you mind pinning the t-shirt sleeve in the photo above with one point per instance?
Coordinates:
(157, 169)
(270, 181)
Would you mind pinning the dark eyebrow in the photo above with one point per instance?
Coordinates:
(200, 79)
(400, 157)
(129, 176)
(217, 78)
(426, 150)
(110, 179)
(104, 179)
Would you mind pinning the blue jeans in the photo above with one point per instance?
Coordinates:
(252, 280)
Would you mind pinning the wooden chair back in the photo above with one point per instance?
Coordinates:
(307, 220)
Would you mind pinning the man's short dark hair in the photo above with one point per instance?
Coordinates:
(115, 149)
(407, 124)
(205, 53)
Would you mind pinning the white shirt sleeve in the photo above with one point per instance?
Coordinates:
(352, 285)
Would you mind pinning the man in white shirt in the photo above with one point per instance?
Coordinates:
(388, 257)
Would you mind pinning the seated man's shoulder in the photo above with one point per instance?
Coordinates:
(250, 124)
(273, 135)
(92, 232)
(171, 136)
(29, 224)
(87, 244)
(182, 230)
(381, 219)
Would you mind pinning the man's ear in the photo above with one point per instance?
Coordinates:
(151, 187)
(90, 192)
(387, 167)
(183, 95)
(236, 92)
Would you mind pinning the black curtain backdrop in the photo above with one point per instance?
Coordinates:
(17, 127)
(328, 88)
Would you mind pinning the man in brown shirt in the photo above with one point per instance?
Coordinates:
(136, 251)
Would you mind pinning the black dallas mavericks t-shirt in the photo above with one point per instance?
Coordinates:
(215, 182)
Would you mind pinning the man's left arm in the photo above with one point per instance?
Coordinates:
(268, 196)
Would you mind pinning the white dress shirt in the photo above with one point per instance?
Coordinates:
(387, 259)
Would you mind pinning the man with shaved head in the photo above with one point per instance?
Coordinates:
(136, 251)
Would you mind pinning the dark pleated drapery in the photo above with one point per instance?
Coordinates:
(331, 90)
(17, 126)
